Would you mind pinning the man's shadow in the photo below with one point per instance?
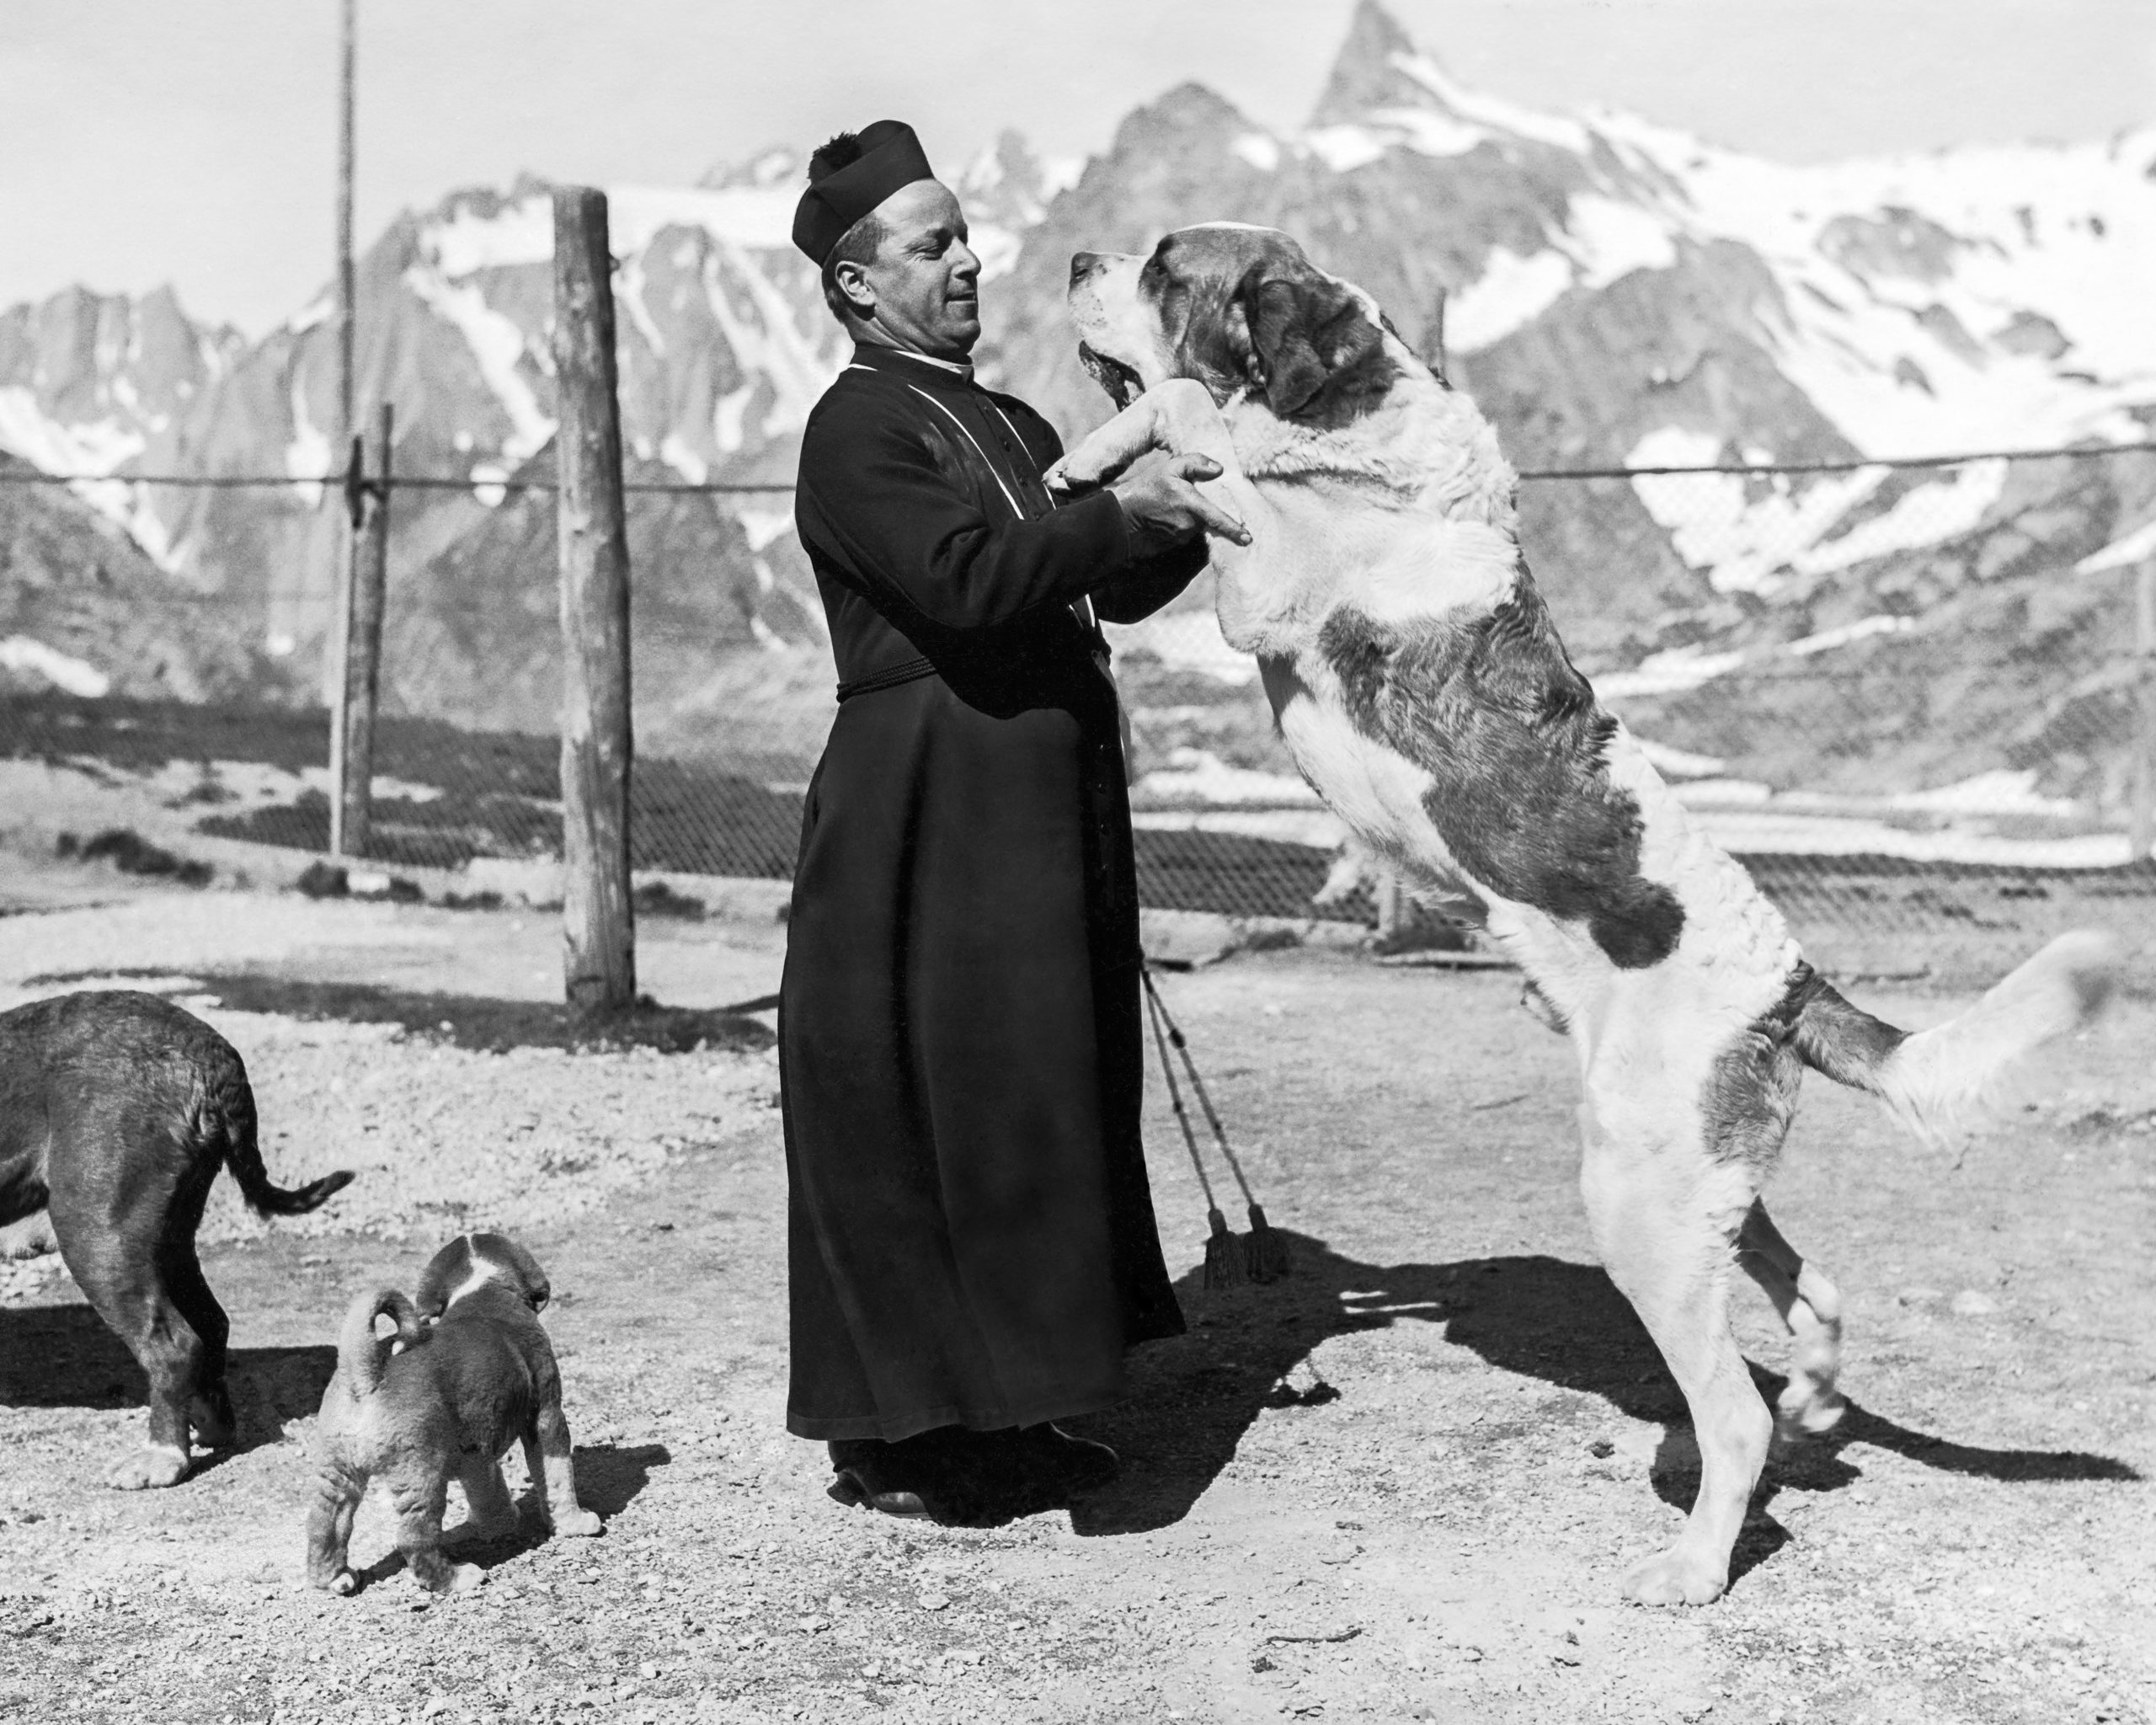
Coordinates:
(1192, 1398)
(66, 1356)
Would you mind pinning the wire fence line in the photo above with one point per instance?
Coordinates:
(437, 482)
(1870, 680)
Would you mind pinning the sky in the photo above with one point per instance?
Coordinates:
(194, 141)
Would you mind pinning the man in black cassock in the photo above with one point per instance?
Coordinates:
(972, 1242)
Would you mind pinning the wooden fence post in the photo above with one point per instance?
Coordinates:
(1438, 334)
(2144, 704)
(599, 956)
(359, 672)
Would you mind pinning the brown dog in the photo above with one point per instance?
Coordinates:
(468, 1371)
(116, 1110)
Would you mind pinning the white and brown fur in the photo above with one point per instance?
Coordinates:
(1418, 682)
(467, 1372)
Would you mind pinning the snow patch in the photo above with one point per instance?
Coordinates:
(496, 344)
(1344, 148)
(1511, 293)
(306, 457)
(760, 526)
(2135, 548)
(1260, 149)
(75, 676)
(684, 460)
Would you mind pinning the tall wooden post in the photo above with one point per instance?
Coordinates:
(351, 736)
(1437, 335)
(2144, 704)
(599, 933)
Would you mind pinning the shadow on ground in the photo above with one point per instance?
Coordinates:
(1192, 1398)
(467, 1021)
(64, 1356)
(608, 1478)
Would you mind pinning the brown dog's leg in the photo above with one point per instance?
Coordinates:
(132, 1298)
(329, 1530)
(419, 1500)
(550, 1458)
(210, 1402)
(1811, 1306)
(1665, 1219)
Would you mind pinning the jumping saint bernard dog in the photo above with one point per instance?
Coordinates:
(1418, 682)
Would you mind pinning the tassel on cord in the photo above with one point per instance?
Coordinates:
(1224, 1260)
(1265, 1251)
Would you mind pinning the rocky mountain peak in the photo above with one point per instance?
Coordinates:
(1365, 74)
(1190, 116)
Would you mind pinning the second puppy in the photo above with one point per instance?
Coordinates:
(468, 1372)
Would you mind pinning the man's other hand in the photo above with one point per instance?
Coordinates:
(1162, 502)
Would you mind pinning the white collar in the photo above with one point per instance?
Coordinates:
(957, 368)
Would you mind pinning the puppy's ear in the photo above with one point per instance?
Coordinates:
(1314, 349)
(449, 1269)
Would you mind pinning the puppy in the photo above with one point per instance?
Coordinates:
(1419, 682)
(468, 1371)
(116, 1111)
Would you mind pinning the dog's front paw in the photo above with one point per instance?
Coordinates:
(1804, 1413)
(1676, 1576)
(147, 1469)
(463, 1577)
(344, 1583)
(577, 1524)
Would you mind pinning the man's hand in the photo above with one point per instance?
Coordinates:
(1165, 507)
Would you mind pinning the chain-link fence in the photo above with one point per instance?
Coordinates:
(1908, 696)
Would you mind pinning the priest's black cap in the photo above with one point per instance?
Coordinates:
(852, 175)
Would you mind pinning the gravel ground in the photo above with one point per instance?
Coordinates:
(1402, 1484)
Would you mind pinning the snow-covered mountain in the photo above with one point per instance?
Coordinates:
(1615, 292)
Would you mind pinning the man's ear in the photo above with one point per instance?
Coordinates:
(1307, 332)
(855, 288)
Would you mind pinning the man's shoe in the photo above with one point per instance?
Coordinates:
(848, 1487)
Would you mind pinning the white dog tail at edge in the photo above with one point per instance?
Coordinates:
(1940, 1083)
(360, 1353)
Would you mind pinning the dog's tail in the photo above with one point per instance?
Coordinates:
(360, 1353)
(1941, 1082)
(226, 1116)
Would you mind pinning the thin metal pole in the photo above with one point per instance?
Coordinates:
(2144, 700)
(347, 426)
(1444, 376)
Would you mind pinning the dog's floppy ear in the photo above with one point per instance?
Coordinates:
(1314, 349)
(448, 1270)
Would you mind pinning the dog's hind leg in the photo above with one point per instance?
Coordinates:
(1665, 1218)
(210, 1402)
(329, 1530)
(489, 1510)
(550, 1458)
(1811, 1306)
(132, 1298)
(419, 1499)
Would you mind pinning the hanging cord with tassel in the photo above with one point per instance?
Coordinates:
(1222, 1258)
(1266, 1250)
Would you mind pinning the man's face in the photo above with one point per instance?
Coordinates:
(925, 281)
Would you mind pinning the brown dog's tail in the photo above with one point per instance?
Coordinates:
(227, 1116)
(1941, 1082)
(361, 1354)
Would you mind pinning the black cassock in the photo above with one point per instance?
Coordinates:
(972, 1238)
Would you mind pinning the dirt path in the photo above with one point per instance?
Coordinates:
(1436, 1534)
